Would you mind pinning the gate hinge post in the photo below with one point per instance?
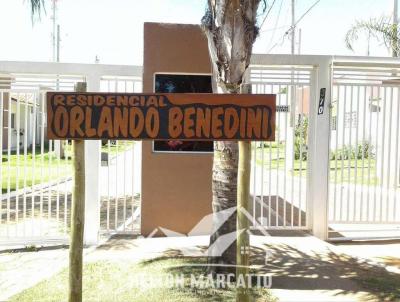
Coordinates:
(92, 180)
(319, 150)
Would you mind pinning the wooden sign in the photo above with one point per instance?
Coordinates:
(160, 116)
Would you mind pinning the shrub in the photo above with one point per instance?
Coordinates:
(363, 149)
(300, 139)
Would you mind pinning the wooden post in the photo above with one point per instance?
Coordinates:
(243, 196)
(77, 217)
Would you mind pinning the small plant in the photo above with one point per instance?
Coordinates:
(283, 90)
(300, 139)
(31, 248)
(362, 150)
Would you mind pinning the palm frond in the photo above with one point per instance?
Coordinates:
(265, 5)
(380, 28)
(37, 6)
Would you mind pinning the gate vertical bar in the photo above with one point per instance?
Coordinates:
(397, 167)
(92, 179)
(2, 126)
(25, 161)
(17, 170)
(310, 143)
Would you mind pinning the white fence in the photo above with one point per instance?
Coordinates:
(279, 168)
(35, 180)
(36, 173)
(365, 164)
(120, 172)
(337, 172)
(328, 172)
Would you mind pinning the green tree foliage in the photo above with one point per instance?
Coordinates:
(381, 29)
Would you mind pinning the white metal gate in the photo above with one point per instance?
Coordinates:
(364, 151)
(36, 173)
(279, 169)
(348, 184)
(120, 172)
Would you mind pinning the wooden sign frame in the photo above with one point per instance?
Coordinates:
(161, 116)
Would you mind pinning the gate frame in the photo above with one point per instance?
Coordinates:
(319, 125)
(368, 63)
(318, 135)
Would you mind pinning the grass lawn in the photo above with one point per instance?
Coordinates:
(115, 281)
(389, 288)
(46, 168)
(274, 158)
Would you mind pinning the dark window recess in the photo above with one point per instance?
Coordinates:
(181, 83)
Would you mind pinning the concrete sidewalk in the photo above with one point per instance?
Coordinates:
(22, 270)
(303, 267)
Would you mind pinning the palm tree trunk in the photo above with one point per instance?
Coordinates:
(230, 27)
(224, 180)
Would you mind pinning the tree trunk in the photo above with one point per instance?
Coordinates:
(230, 27)
(224, 183)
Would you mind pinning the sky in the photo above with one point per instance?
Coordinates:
(112, 30)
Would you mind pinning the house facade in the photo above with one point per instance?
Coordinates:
(21, 120)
